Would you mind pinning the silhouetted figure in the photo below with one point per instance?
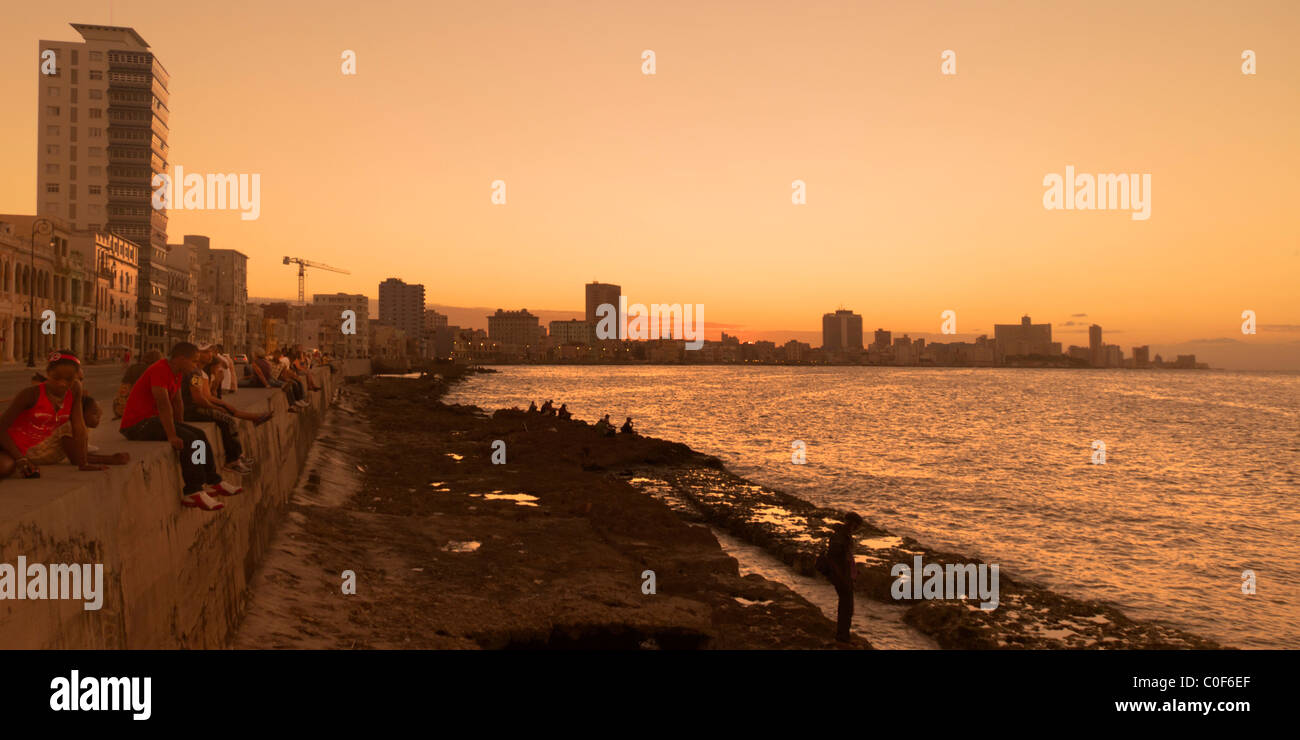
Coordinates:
(604, 427)
(564, 412)
(547, 408)
(627, 427)
(841, 569)
(532, 407)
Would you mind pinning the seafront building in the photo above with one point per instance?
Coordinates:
(842, 333)
(1024, 339)
(596, 295)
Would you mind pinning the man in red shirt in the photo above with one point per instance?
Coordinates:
(154, 411)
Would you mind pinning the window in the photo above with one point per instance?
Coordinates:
(51, 169)
(96, 74)
(74, 94)
(72, 118)
(52, 187)
(96, 171)
(74, 75)
(96, 132)
(93, 189)
(96, 56)
(51, 148)
(52, 130)
(95, 151)
(74, 57)
(52, 110)
(52, 91)
(96, 94)
(96, 112)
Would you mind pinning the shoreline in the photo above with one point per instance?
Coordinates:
(1029, 616)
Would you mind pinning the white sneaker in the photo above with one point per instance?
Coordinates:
(201, 500)
(239, 466)
(224, 488)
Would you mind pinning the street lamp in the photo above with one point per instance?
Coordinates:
(44, 226)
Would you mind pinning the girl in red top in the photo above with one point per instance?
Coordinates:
(44, 424)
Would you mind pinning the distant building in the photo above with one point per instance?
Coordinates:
(116, 272)
(1096, 355)
(327, 309)
(516, 331)
(1023, 339)
(601, 293)
(882, 340)
(402, 306)
(1142, 357)
(573, 331)
(841, 331)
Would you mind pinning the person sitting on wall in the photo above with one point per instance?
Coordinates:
(263, 376)
(532, 407)
(202, 405)
(627, 427)
(154, 412)
(564, 412)
(547, 408)
(132, 374)
(46, 424)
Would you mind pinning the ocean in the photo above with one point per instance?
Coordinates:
(1199, 483)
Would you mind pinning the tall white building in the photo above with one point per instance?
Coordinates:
(102, 127)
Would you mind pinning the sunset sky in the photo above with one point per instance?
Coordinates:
(924, 191)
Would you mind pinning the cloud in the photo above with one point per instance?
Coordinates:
(1077, 315)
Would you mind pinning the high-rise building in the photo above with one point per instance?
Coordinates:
(883, 340)
(402, 305)
(1142, 357)
(102, 129)
(1096, 353)
(841, 331)
(1025, 338)
(602, 293)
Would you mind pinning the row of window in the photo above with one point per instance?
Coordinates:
(18, 279)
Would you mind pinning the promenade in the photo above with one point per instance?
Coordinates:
(174, 577)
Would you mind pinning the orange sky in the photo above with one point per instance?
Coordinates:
(924, 191)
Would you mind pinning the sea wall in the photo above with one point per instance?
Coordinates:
(173, 577)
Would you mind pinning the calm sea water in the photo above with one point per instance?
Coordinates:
(1201, 480)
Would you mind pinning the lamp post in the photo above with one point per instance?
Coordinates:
(44, 226)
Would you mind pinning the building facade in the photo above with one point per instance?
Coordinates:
(841, 332)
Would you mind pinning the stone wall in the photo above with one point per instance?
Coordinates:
(173, 577)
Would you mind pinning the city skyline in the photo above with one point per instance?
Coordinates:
(762, 269)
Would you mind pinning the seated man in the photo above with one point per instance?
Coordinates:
(132, 374)
(564, 412)
(262, 374)
(154, 412)
(46, 424)
(627, 427)
(202, 405)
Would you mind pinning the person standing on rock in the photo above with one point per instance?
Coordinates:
(842, 570)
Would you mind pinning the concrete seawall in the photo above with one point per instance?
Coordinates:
(173, 577)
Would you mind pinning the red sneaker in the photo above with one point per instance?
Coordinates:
(224, 488)
(201, 500)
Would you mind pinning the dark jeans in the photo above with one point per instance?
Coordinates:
(228, 425)
(195, 474)
(844, 589)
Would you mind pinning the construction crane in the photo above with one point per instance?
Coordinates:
(302, 272)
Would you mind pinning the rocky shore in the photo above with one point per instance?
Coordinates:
(548, 549)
